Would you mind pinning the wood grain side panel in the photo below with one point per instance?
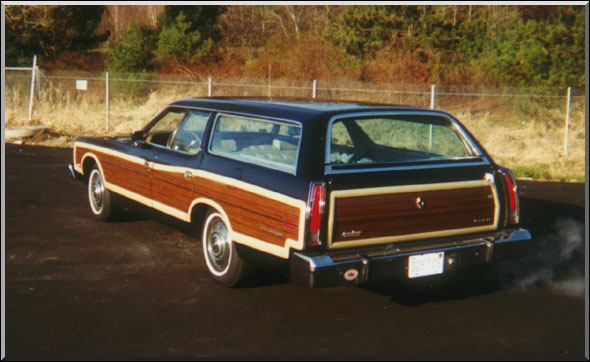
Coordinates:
(397, 214)
(261, 220)
(78, 153)
(132, 176)
(172, 189)
(252, 214)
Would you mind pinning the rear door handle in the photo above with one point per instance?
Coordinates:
(188, 174)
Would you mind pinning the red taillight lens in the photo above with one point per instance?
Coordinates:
(513, 203)
(316, 212)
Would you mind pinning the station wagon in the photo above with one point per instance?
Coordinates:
(346, 192)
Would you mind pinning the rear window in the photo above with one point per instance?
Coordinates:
(393, 139)
(267, 143)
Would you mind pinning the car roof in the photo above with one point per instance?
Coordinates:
(288, 108)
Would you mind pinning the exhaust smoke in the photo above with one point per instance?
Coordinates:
(555, 260)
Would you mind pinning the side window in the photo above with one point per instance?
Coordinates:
(189, 136)
(262, 142)
(161, 131)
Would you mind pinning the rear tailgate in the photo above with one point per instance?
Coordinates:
(389, 214)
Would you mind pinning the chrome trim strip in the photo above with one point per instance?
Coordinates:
(330, 171)
(467, 141)
(72, 172)
(236, 113)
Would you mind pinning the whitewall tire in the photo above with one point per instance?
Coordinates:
(221, 257)
(101, 200)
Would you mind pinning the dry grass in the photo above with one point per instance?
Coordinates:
(531, 149)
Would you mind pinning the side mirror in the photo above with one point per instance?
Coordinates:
(137, 136)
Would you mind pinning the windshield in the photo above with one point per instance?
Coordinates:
(395, 138)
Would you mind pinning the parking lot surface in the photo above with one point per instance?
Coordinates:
(138, 288)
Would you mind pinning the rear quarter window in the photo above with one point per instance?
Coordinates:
(267, 143)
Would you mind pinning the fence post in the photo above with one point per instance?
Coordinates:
(567, 119)
(269, 72)
(315, 88)
(210, 87)
(432, 93)
(106, 90)
(33, 77)
(37, 82)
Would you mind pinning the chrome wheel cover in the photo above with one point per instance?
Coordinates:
(217, 245)
(96, 192)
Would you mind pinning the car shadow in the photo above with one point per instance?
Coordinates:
(453, 285)
(267, 270)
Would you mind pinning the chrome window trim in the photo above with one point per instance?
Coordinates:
(331, 171)
(255, 116)
(217, 113)
(467, 141)
(252, 160)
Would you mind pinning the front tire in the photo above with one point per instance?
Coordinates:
(101, 200)
(223, 262)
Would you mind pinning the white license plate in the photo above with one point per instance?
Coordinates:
(426, 264)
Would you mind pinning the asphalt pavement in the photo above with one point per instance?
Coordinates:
(77, 288)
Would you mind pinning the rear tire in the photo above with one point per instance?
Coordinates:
(102, 202)
(223, 262)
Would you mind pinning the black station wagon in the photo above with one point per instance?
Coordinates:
(346, 192)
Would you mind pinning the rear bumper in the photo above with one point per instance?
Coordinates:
(325, 270)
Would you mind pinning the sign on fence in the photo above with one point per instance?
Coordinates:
(81, 84)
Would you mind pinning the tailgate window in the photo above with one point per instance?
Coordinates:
(395, 138)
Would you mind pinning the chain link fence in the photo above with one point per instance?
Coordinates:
(509, 121)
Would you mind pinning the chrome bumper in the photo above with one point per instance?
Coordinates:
(325, 270)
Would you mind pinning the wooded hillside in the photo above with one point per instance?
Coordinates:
(452, 44)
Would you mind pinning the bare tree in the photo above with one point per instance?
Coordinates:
(116, 18)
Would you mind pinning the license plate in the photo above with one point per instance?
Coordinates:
(425, 264)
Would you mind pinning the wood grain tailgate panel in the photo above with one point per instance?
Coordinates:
(397, 214)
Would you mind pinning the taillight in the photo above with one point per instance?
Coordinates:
(315, 207)
(513, 202)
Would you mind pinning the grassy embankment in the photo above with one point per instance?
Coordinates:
(532, 149)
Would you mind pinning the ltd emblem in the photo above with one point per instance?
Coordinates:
(420, 203)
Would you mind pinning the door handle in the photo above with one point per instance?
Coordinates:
(188, 175)
(148, 164)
